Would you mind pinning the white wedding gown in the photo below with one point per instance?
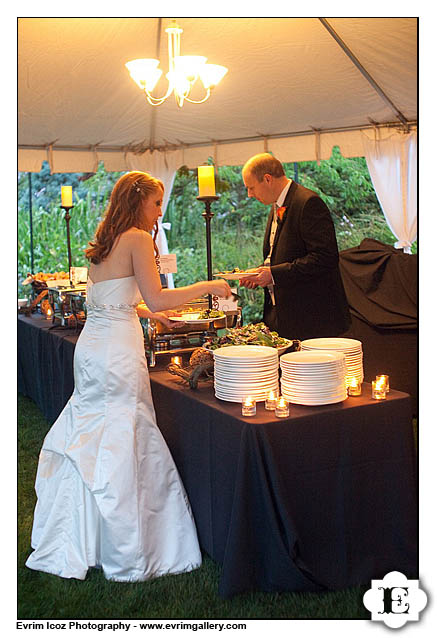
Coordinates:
(109, 494)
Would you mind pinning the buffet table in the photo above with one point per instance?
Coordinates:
(324, 499)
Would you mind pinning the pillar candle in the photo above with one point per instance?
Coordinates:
(206, 181)
(67, 195)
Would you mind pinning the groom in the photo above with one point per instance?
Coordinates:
(303, 291)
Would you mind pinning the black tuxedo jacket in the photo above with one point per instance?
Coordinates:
(309, 293)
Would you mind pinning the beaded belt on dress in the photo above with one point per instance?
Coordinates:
(104, 306)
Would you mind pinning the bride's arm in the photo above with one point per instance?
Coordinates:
(145, 313)
(149, 283)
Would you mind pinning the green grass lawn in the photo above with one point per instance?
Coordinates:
(185, 596)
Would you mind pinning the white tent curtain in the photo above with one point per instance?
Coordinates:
(392, 164)
(162, 165)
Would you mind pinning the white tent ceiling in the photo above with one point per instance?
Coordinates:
(287, 78)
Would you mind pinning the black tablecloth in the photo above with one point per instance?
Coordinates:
(381, 285)
(322, 500)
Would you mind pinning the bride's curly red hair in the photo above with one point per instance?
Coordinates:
(124, 211)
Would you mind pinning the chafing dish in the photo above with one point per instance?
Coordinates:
(68, 304)
(162, 341)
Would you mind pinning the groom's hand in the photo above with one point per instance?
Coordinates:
(262, 277)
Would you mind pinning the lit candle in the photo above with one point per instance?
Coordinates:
(271, 399)
(378, 389)
(176, 361)
(205, 175)
(49, 313)
(385, 378)
(282, 407)
(67, 196)
(248, 407)
(354, 389)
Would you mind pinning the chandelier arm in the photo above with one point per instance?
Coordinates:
(159, 100)
(208, 93)
(153, 101)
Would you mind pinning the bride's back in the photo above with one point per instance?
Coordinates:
(118, 263)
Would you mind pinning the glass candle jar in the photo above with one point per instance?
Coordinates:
(385, 378)
(282, 408)
(248, 406)
(378, 390)
(354, 388)
(271, 400)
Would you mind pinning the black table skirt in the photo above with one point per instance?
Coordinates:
(323, 500)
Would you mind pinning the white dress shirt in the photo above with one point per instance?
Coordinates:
(273, 229)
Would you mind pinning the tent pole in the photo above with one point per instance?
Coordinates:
(360, 67)
(154, 110)
(31, 223)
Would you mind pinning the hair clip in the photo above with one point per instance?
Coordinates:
(137, 188)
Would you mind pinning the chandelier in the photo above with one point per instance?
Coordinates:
(184, 71)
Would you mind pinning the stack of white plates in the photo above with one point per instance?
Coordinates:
(351, 348)
(242, 371)
(313, 378)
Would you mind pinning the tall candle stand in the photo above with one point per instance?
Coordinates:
(67, 218)
(208, 214)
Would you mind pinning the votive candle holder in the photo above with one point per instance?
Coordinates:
(248, 406)
(378, 390)
(354, 388)
(271, 400)
(177, 361)
(282, 409)
(386, 379)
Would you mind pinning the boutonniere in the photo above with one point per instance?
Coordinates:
(280, 213)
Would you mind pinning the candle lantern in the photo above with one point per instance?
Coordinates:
(282, 409)
(67, 205)
(207, 195)
(248, 406)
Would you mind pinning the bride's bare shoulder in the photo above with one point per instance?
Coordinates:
(135, 236)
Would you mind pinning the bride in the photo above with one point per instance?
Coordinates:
(108, 492)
